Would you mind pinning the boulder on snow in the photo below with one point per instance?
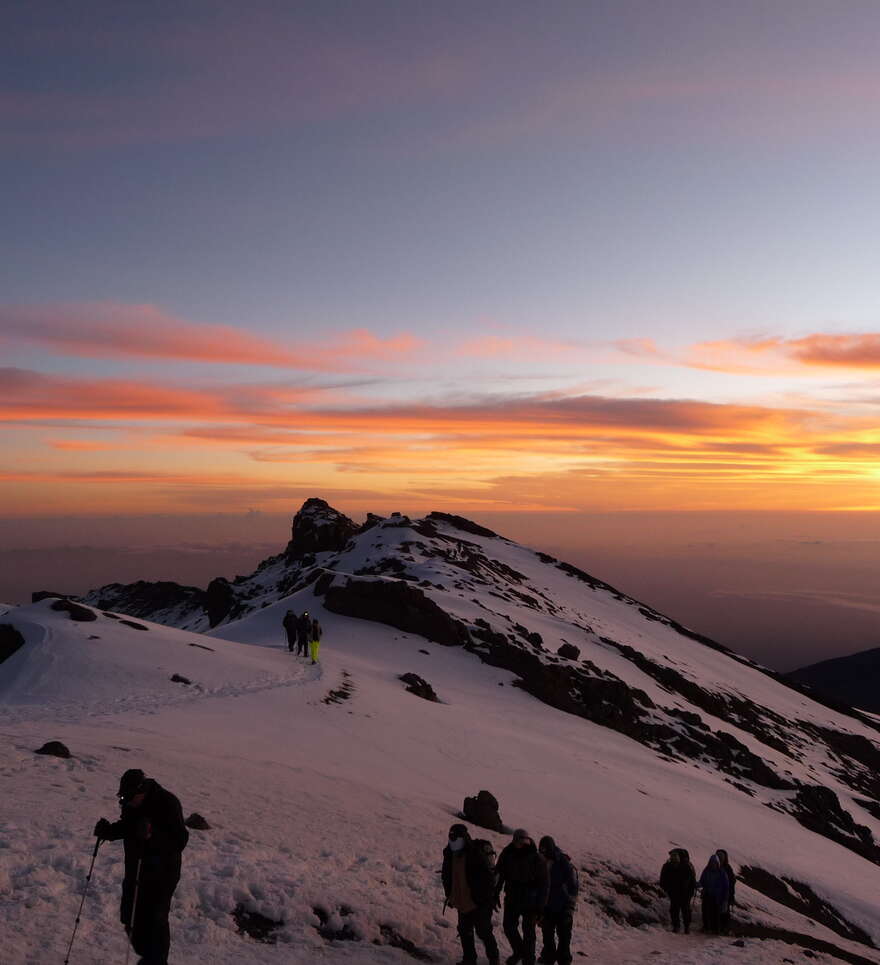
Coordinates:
(197, 822)
(10, 641)
(569, 651)
(318, 528)
(76, 611)
(419, 686)
(219, 599)
(133, 625)
(54, 748)
(483, 810)
(178, 679)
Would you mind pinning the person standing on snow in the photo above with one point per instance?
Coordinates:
(716, 891)
(303, 634)
(289, 623)
(522, 873)
(558, 916)
(315, 641)
(469, 882)
(726, 867)
(153, 833)
(679, 880)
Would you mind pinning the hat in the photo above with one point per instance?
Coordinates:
(458, 831)
(130, 783)
(547, 844)
(521, 834)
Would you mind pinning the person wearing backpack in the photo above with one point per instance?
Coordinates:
(290, 624)
(679, 880)
(303, 634)
(716, 890)
(727, 868)
(315, 642)
(558, 915)
(522, 873)
(469, 883)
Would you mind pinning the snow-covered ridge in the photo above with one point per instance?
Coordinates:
(665, 738)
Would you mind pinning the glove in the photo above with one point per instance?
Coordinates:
(102, 829)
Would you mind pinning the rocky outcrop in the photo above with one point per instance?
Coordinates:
(149, 599)
(82, 614)
(569, 651)
(39, 595)
(818, 808)
(319, 528)
(397, 604)
(54, 749)
(219, 600)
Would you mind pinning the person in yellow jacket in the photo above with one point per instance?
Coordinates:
(315, 644)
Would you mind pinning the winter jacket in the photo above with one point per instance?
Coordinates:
(714, 883)
(317, 632)
(154, 836)
(290, 624)
(563, 886)
(480, 875)
(304, 628)
(522, 873)
(678, 880)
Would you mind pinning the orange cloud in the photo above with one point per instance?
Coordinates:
(776, 355)
(106, 331)
(515, 346)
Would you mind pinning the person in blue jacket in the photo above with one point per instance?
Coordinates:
(558, 916)
(716, 892)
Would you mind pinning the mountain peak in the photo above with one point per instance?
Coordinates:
(318, 528)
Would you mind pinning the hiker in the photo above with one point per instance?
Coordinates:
(154, 835)
(315, 642)
(522, 873)
(726, 867)
(289, 623)
(303, 633)
(558, 915)
(469, 882)
(679, 880)
(716, 890)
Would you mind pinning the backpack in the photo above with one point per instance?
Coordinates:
(485, 853)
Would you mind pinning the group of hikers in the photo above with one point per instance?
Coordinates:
(539, 884)
(717, 885)
(303, 633)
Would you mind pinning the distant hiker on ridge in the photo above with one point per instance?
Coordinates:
(469, 882)
(303, 634)
(558, 915)
(522, 873)
(724, 861)
(152, 830)
(679, 880)
(289, 623)
(315, 642)
(716, 891)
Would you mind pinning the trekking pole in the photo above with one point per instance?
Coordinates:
(83, 899)
(134, 905)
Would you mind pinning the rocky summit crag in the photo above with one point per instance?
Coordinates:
(572, 641)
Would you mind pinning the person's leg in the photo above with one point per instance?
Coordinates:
(529, 923)
(686, 915)
(674, 912)
(511, 931)
(155, 939)
(564, 927)
(548, 936)
(483, 927)
(466, 935)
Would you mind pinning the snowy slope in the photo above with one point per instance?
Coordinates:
(344, 805)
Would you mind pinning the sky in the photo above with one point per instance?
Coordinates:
(567, 258)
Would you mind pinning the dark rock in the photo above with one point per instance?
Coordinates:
(54, 748)
(344, 934)
(133, 625)
(147, 599)
(178, 679)
(569, 651)
(371, 521)
(393, 938)
(318, 528)
(323, 583)
(465, 525)
(818, 809)
(219, 600)
(343, 692)
(738, 944)
(483, 811)
(801, 898)
(201, 646)
(419, 686)
(397, 604)
(427, 653)
(10, 641)
(94, 636)
(255, 925)
(82, 614)
(197, 822)
(39, 595)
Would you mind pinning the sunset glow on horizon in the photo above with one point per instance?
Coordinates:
(475, 258)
